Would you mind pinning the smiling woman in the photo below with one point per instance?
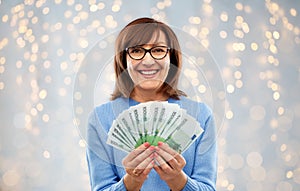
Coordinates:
(148, 72)
(147, 65)
(152, 70)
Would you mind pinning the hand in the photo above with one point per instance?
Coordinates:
(138, 165)
(169, 166)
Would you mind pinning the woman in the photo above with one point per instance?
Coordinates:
(147, 66)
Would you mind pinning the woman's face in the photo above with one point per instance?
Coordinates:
(149, 73)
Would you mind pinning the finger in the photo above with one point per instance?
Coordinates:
(167, 148)
(144, 155)
(177, 163)
(165, 154)
(180, 160)
(145, 163)
(136, 152)
(140, 159)
(148, 168)
(174, 159)
(145, 167)
(137, 175)
(158, 169)
(168, 160)
(162, 164)
(178, 157)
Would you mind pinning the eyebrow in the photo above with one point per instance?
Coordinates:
(153, 44)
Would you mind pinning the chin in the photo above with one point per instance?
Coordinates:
(150, 85)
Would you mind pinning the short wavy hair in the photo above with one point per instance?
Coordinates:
(139, 32)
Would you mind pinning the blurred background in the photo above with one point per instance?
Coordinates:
(240, 57)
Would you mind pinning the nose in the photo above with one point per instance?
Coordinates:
(148, 60)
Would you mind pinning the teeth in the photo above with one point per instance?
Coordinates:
(149, 72)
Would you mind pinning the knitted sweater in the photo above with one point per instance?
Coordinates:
(105, 162)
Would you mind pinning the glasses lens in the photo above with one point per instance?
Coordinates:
(136, 52)
(159, 52)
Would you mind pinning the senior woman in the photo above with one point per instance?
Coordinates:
(147, 65)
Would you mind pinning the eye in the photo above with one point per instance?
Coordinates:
(159, 50)
(136, 50)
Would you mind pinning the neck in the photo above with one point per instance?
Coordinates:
(144, 96)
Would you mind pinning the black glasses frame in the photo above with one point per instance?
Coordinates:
(148, 50)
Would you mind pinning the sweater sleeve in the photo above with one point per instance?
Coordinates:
(204, 174)
(101, 170)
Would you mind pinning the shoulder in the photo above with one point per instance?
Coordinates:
(105, 113)
(113, 107)
(103, 108)
(195, 108)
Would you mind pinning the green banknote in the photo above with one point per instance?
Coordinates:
(153, 122)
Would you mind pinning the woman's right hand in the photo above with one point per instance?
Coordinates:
(138, 164)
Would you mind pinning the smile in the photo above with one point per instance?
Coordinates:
(148, 72)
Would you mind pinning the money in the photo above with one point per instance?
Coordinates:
(153, 122)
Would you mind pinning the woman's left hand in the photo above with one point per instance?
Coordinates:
(169, 166)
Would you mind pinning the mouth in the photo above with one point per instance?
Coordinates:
(148, 73)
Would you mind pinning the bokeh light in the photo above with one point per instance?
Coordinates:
(255, 45)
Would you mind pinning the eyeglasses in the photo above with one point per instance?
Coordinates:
(138, 52)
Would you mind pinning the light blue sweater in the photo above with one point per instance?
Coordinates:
(105, 162)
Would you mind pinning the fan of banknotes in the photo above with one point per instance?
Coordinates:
(153, 122)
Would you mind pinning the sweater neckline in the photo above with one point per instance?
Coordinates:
(133, 102)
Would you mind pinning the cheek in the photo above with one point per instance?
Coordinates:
(166, 61)
(131, 64)
(131, 71)
(165, 64)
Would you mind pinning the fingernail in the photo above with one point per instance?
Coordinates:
(146, 144)
(160, 143)
(151, 148)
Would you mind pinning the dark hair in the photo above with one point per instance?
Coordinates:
(138, 32)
